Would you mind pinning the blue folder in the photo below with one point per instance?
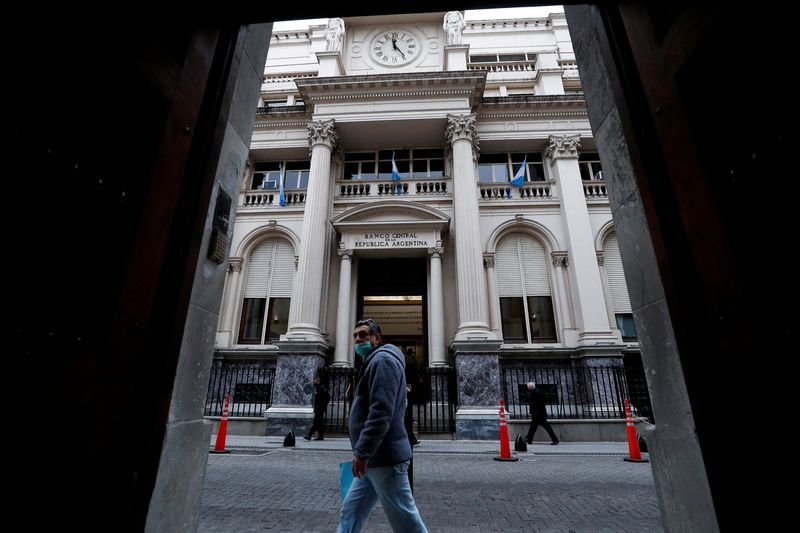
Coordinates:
(345, 477)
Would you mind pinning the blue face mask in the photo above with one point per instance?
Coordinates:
(363, 349)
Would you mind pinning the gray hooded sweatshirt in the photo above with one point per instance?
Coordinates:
(379, 405)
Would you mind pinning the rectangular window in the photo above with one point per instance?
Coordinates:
(590, 166)
(493, 168)
(542, 321)
(252, 320)
(512, 316)
(278, 317)
(267, 174)
(626, 326)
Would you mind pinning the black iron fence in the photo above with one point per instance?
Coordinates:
(249, 383)
(433, 400)
(596, 392)
(341, 386)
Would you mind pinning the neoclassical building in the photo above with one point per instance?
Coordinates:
(380, 184)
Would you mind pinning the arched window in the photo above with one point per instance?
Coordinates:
(523, 283)
(267, 292)
(616, 285)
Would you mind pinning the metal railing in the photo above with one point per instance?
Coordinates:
(249, 382)
(572, 392)
(434, 403)
(433, 400)
(341, 386)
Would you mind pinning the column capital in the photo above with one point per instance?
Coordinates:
(345, 253)
(322, 132)
(463, 127)
(235, 264)
(560, 259)
(488, 260)
(435, 252)
(562, 147)
(601, 259)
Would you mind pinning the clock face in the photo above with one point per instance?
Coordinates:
(393, 48)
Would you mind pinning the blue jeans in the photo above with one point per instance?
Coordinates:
(389, 484)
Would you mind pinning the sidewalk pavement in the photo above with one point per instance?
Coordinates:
(249, 444)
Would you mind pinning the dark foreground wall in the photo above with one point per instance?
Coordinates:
(689, 125)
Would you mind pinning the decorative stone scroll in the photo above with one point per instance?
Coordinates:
(563, 147)
(323, 132)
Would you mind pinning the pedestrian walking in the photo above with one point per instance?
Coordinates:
(321, 398)
(539, 415)
(381, 450)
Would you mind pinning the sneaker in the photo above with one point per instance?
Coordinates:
(529, 441)
(416, 443)
(307, 437)
(320, 438)
(554, 442)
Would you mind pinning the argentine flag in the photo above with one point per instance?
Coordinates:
(519, 177)
(395, 172)
(281, 195)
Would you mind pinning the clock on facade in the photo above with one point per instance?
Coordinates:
(395, 47)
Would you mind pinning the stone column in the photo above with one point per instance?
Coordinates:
(564, 303)
(305, 307)
(437, 357)
(470, 279)
(494, 302)
(612, 320)
(343, 326)
(226, 336)
(562, 154)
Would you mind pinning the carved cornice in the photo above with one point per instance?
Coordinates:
(562, 147)
(560, 259)
(463, 127)
(235, 264)
(265, 124)
(323, 132)
(523, 115)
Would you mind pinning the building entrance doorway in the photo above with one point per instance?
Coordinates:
(393, 291)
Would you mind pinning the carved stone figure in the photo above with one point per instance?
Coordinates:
(454, 25)
(334, 34)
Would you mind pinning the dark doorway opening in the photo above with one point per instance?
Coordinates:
(393, 291)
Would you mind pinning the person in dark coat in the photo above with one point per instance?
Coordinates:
(321, 398)
(539, 415)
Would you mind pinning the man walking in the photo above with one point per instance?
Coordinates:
(538, 415)
(381, 451)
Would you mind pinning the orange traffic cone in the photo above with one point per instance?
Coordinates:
(505, 448)
(633, 443)
(219, 447)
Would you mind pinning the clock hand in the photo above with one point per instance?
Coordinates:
(394, 45)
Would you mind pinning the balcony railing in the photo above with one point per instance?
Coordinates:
(533, 190)
(595, 189)
(421, 187)
(505, 66)
(259, 198)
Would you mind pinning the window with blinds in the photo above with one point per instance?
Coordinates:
(267, 292)
(619, 290)
(523, 285)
